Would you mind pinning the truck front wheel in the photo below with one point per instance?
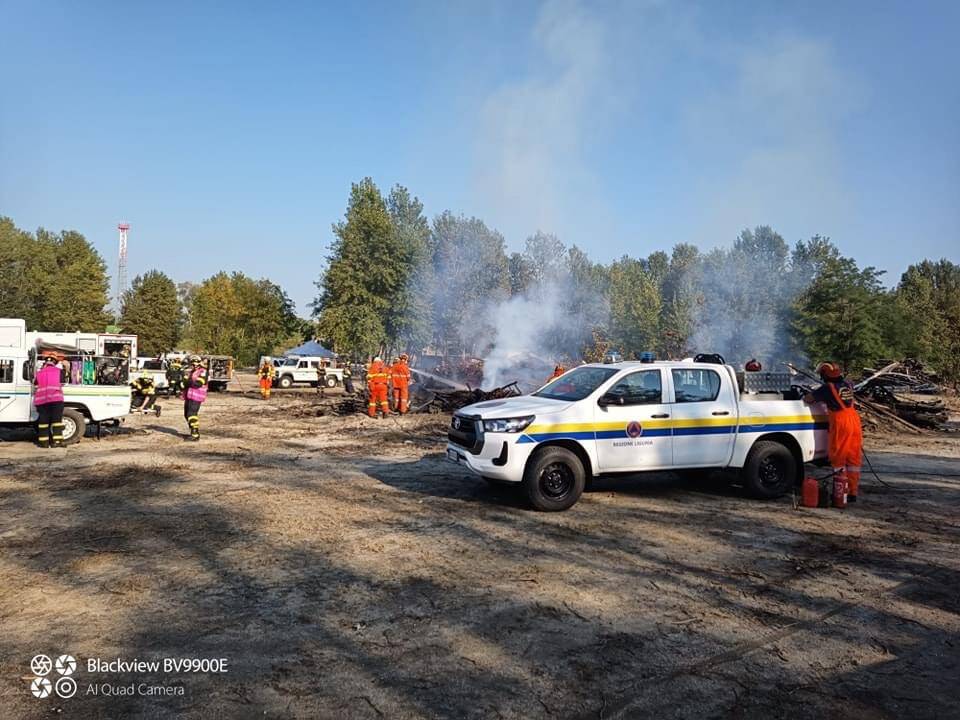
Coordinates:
(554, 479)
(74, 426)
(770, 471)
(331, 381)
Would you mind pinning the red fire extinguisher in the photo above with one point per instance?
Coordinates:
(840, 489)
(810, 492)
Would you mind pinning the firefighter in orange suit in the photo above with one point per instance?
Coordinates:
(557, 372)
(400, 377)
(266, 374)
(845, 449)
(378, 377)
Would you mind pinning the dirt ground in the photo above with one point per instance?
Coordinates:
(346, 570)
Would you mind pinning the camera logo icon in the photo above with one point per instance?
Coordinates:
(41, 686)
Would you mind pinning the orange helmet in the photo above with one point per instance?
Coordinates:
(830, 371)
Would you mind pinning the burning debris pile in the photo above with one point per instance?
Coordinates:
(882, 396)
(440, 401)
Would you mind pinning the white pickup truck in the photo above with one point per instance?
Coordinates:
(631, 417)
(82, 402)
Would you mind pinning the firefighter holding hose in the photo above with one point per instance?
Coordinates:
(845, 447)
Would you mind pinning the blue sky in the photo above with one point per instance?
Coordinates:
(228, 134)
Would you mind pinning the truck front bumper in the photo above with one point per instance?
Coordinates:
(500, 458)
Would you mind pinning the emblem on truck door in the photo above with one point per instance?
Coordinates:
(634, 429)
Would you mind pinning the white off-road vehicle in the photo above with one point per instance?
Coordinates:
(302, 370)
(631, 417)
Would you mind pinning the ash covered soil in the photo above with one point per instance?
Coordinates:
(346, 570)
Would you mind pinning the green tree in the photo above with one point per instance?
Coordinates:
(470, 262)
(634, 307)
(361, 276)
(151, 310)
(679, 292)
(239, 316)
(55, 281)
(837, 316)
(408, 319)
(925, 319)
(745, 302)
(545, 258)
(584, 291)
(520, 274)
(24, 274)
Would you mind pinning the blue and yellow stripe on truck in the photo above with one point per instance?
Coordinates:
(666, 428)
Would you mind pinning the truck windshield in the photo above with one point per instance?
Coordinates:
(576, 384)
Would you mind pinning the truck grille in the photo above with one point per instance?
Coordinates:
(467, 432)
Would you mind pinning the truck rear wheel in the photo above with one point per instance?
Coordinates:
(331, 381)
(770, 471)
(74, 426)
(554, 479)
(285, 382)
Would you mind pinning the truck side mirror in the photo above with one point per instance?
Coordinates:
(610, 399)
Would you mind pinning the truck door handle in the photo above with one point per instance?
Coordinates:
(662, 415)
(721, 412)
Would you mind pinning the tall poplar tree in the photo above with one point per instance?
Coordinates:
(151, 310)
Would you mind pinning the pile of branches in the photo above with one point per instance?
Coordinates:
(882, 395)
(440, 401)
(908, 375)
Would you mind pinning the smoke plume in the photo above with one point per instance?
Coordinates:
(524, 336)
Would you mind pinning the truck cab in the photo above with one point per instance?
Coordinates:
(84, 401)
(631, 417)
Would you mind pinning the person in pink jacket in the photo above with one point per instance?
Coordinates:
(48, 399)
(194, 393)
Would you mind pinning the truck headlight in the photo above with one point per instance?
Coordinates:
(507, 425)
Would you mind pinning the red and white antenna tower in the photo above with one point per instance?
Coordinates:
(122, 265)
